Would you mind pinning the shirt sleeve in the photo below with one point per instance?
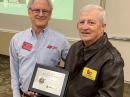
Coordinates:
(14, 68)
(112, 79)
(65, 50)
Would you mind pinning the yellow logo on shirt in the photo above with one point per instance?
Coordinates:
(89, 73)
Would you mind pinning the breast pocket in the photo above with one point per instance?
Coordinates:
(24, 54)
(49, 56)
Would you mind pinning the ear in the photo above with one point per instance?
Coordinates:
(50, 15)
(29, 12)
(104, 25)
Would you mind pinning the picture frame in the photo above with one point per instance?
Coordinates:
(49, 81)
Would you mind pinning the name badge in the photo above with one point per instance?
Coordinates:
(27, 46)
(89, 73)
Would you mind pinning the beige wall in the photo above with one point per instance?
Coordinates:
(118, 17)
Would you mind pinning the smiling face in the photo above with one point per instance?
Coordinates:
(39, 13)
(90, 26)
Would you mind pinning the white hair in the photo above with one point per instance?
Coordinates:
(32, 1)
(97, 7)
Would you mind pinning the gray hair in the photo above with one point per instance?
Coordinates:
(32, 1)
(99, 8)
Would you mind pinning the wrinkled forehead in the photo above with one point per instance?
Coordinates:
(90, 14)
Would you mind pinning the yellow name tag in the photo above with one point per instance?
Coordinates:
(89, 73)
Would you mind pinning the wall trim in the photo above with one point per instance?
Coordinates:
(103, 3)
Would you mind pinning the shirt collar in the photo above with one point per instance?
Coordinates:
(43, 32)
(99, 43)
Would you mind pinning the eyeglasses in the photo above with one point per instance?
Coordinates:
(38, 11)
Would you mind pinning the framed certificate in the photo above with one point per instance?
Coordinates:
(49, 81)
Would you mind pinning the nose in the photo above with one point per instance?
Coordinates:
(41, 13)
